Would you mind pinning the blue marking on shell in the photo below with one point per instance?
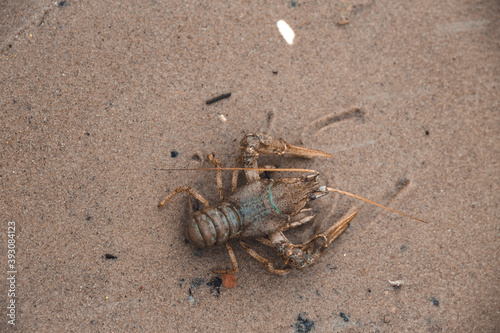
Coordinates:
(271, 199)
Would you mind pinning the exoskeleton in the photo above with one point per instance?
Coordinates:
(263, 208)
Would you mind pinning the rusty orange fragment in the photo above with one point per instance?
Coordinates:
(229, 280)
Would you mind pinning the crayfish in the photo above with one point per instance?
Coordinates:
(264, 209)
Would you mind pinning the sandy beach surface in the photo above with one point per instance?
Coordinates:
(97, 96)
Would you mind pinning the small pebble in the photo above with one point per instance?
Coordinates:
(344, 316)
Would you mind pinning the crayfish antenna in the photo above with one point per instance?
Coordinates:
(373, 203)
(241, 169)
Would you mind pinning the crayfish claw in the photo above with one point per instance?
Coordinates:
(254, 144)
(337, 229)
(304, 152)
(305, 255)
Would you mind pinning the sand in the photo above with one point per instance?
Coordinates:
(98, 95)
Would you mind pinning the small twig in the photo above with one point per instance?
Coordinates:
(43, 17)
(218, 98)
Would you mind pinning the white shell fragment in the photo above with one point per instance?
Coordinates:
(221, 118)
(397, 283)
(286, 31)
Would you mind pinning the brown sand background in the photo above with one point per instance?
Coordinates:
(97, 94)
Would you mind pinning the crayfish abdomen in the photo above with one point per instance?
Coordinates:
(214, 226)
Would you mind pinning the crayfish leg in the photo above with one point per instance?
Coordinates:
(234, 263)
(218, 174)
(189, 190)
(234, 180)
(264, 261)
(296, 224)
